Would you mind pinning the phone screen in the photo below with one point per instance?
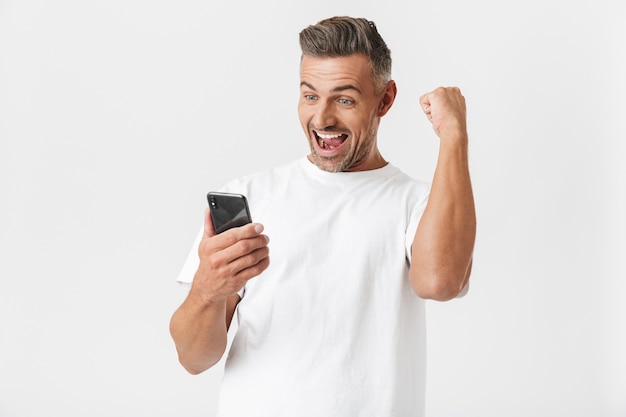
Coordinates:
(228, 210)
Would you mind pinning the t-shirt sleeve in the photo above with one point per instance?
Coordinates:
(414, 219)
(185, 276)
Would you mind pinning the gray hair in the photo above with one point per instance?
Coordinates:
(343, 36)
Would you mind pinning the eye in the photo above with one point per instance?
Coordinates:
(309, 97)
(345, 101)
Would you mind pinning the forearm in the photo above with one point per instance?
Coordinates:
(444, 241)
(199, 330)
(227, 261)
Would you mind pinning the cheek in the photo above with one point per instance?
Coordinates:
(303, 117)
(359, 125)
(304, 112)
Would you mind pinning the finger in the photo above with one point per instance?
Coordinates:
(242, 261)
(243, 248)
(425, 103)
(251, 264)
(209, 230)
(254, 270)
(232, 236)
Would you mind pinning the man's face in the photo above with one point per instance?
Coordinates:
(340, 110)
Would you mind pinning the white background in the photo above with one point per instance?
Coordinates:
(117, 116)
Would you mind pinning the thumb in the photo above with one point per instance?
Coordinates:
(209, 229)
(425, 104)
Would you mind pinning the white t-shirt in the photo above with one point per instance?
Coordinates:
(332, 327)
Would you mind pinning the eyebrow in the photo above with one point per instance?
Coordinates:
(338, 89)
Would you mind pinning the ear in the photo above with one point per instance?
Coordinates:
(388, 97)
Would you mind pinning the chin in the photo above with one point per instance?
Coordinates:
(325, 164)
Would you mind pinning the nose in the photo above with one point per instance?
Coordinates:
(324, 116)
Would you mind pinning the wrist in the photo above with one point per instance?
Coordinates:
(205, 300)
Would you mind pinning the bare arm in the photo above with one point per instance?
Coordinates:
(444, 242)
(227, 261)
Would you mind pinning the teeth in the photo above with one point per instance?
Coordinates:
(321, 137)
(324, 136)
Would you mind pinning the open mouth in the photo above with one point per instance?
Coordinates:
(330, 141)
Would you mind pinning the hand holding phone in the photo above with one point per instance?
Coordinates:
(228, 210)
(225, 264)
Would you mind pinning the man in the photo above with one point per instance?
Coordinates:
(334, 324)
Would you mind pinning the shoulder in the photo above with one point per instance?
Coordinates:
(401, 180)
(261, 180)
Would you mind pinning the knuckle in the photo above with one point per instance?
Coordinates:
(250, 259)
(254, 271)
(261, 266)
(212, 262)
(232, 270)
(244, 231)
(229, 237)
(245, 246)
(255, 263)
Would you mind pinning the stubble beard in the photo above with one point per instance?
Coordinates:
(338, 163)
(346, 160)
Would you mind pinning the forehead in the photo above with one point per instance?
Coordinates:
(330, 72)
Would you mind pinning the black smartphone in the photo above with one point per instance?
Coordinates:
(228, 210)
